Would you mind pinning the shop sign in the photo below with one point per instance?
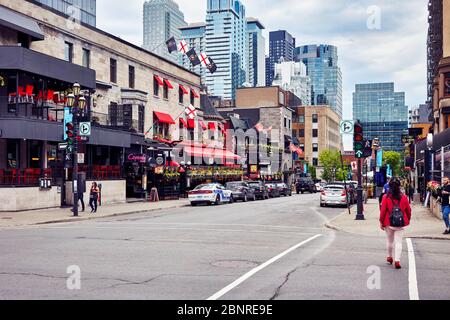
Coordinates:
(141, 158)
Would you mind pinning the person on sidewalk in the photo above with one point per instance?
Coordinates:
(93, 197)
(445, 203)
(81, 199)
(395, 215)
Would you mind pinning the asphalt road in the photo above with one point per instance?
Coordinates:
(273, 249)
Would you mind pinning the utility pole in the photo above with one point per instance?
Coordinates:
(359, 146)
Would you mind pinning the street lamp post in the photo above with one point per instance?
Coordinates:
(76, 102)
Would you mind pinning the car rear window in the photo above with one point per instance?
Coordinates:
(205, 187)
(334, 187)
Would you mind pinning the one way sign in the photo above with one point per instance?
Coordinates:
(347, 127)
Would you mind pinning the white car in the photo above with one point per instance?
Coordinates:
(212, 193)
(333, 195)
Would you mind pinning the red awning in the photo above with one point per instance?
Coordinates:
(159, 80)
(202, 124)
(183, 89)
(212, 126)
(169, 85)
(164, 117)
(195, 93)
(184, 123)
(172, 164)
(191, 124)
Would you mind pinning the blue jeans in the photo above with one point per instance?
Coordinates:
(445, 215)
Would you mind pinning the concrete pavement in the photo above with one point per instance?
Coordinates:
(423, 223)
(46, 216)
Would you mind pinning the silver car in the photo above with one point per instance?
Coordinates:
(333, 195)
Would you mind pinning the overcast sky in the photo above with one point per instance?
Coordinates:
(377, 40)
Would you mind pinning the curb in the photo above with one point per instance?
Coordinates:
(94, 217)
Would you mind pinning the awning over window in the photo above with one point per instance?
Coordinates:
(159, 80)
(21, 23)
(183, 123)
(169, 85)
(191, 124)
(194, 93)
(164, 117)
(212, 126)
(203, 125)
(183, 89)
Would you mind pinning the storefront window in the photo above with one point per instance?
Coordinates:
(35, 148)
(12, 153)
(447, 84)
(52, 155)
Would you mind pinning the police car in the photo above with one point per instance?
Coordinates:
(212, 193)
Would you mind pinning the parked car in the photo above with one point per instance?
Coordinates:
(333, 194)
(260, 188)
(305, 184)
(241, 191)
(274, 192)
(212, 193)
(285, 190)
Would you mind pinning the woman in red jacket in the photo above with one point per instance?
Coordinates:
(394, 234)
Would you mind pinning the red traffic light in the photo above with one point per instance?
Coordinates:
(69, 126)
(358, 129)
(359, 138)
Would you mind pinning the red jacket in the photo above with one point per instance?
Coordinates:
(387, 207)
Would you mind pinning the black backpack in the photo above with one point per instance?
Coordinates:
(397, 217)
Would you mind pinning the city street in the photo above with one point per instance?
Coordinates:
(274, 249)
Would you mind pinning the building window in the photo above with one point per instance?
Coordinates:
(141, 118)
(131, 77)
(315, 147)
(301, 119)
(315, 118)
(113, 70)
(447, 84)
(165, 91)
(192, 98)
(315, 162)
(12, 154)
(315, 133)
(289, 122)
(180, 95)
(68, 51)
(285, 122)
(161, 130)
(294, 133)
(155, 87)
(301, 133)
(86, 58)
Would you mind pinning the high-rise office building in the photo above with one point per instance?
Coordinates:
(85, 10)
(194, 35)
(256, 53)
(162, 20)
(281, 48)
(382, 112)
(322, 67)
(291, 76)
(226, 44)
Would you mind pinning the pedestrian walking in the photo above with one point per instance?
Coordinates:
(445, 192)
(395, 215)
(93, 197)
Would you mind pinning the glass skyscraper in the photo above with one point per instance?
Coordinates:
(383, 114)
(322, 67)
(162, 20)
(87, 9)
(256, 53)
(281, 49)
(226, 44)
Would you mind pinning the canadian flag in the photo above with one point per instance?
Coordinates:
(183, 46)
(191, 111)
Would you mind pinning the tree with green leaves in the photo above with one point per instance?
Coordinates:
(332, 166)
(395, 160)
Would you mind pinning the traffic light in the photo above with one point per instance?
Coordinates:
(69, 133)
(358, 140)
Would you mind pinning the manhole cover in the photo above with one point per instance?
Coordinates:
(235, 264)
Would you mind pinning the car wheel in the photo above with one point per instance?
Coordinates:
(303, 192)
(231, 199)
(193, 204)
(217, 202)
(254, 197)
(245, 198)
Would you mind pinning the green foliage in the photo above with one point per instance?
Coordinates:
(332, 167)
(313, 172)
(395, 160)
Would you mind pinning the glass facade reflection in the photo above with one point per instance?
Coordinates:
(382, 112)
(87, 9)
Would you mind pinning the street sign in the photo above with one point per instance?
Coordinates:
(80, 158)
(347, 126)
(62, 146)
(85, 129)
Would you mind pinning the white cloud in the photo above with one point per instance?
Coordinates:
(396, 52)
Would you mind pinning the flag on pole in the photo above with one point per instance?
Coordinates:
(191, 111)
(259, 127)
(193, 57)
(171, 45)
(204, 59)
(183, 46)
(211, 66)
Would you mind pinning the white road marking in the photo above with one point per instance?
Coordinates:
(249, 274)
(412, 279)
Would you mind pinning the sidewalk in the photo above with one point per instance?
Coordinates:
(423, 224)
(36, 217)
